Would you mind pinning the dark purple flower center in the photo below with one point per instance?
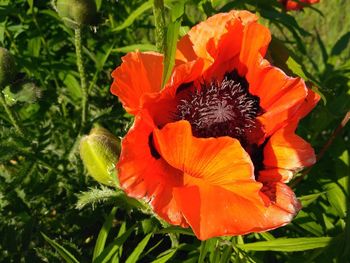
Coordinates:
(224, 108)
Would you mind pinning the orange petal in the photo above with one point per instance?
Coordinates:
(185, 73)
(293, 5)
(215, 211)
(309, 103)
(283, 204)
(281, 96)
(139, 74)
(205, 36)
(218, 180)
(286, 150)
(142, 175)
(255, 42)
(220, 161)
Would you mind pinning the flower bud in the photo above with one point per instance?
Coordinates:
(100, 151)
(7, 67)
(77, 13)
(24, 91)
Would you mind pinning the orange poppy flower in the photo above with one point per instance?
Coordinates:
(214, 148)
(297, 5)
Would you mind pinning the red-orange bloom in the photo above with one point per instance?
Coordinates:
(214, 149)
(297, 5)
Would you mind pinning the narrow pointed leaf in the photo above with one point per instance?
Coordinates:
(288, 244)
(102, 236)
(65, 254)
(166, 257)
(110, 250)
(139, 249)
(172, 37)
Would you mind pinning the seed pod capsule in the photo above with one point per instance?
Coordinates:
(7, 67)
(77, 13)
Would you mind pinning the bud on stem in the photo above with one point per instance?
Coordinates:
(77, 13)
(7, 68)
(100, 151)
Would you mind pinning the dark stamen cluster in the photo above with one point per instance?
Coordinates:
(223, 108)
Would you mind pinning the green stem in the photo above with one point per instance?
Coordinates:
(158, 11)
(173, 237)
(81, 70)
(10, 114)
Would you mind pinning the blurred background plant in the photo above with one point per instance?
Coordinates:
(58, 91)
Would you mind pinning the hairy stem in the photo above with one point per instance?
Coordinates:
(10, 114)
(158, 11)
(81, 70)
(325, 147)
(173, 237)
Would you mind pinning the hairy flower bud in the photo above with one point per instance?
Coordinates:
(77, 13)
(7, 67)
(24, 91)
(99, 151)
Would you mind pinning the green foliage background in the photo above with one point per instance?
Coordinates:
(41, 173)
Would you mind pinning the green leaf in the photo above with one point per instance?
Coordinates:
(165, 257)
(98, 4)
(305, 221)
(140, 47)
(206, 247)
(2, 32)
(178, 10)
(65, 254)
(267, 236)
(134, 15)
(176, 230)
(308, 199)
(288, 244)
(34, 46)
(337, 197)
(169, 56)
(73, 86)
(296, 68)
(171, 42)
(112, 248)
(30, 3)
(102, 236)
(341, 44)
(138, 250)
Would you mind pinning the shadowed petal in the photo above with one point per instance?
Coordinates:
(143, 174)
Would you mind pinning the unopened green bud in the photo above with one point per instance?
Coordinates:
(100, 151)
(22, 91)
(77, 13)
(7, 67)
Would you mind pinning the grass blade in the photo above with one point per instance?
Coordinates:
(140, 47)
(166, 257)
(288, 244)
(110, 250)
(65, 254)
(138, 250)
(131, 18)
(171, 40)
(102, 236)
